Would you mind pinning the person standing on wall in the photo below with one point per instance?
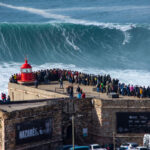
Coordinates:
(61, 82)
(36, 83)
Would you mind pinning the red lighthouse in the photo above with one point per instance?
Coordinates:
(26, 73)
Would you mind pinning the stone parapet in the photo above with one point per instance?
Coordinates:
(19, 92)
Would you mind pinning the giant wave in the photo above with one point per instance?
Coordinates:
(105, 47)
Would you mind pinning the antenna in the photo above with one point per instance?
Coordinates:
(26, 61)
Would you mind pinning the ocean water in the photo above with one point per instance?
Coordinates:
(96, 37)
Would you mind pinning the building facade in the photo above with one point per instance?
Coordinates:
(103, 121)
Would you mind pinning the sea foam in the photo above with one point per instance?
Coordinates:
(68, 19)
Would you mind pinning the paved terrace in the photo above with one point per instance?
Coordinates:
(55, 87)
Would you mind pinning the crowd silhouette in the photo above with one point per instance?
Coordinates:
(103, 83)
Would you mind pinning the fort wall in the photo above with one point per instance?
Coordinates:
(96, 120)
(18, 128)
(106, 128)
(19, 92)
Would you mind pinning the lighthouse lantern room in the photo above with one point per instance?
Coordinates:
(26, 72)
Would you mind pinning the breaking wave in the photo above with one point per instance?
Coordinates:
(112, 46)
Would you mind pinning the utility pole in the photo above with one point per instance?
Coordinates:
(73, 128)
(73, 131)
(114, 141)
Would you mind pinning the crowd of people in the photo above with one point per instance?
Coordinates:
(103, 83)
(4, 99)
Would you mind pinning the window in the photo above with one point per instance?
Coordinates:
(134, 145)
(125, 144)
(143, 149)
(96, 147)
(29, 70)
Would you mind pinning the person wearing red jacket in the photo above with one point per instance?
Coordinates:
(83, 95)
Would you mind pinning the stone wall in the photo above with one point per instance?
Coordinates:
(82, 112)
(105, 113)
(19, 92)
(98, 116)
(28, 115)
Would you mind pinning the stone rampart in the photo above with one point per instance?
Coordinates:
(96, 116)
(106, 122)
(19, 132)
(19, 92)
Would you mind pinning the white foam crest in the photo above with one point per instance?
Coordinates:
(71, 43)
(68, 42)
(121, 27)
(53, 65)
(7, 69)
(101, 24)
(106, 9)
(127, 38)
(68, 19)
(35, 11)
(132, 77)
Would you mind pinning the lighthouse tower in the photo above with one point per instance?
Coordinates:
(26, 73)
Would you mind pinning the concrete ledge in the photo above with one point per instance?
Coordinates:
(21, 92)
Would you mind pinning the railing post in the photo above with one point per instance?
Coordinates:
(73, 131)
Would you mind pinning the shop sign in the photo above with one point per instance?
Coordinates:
(133, 122)
(32, 131)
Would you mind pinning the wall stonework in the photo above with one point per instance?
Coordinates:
(27, 115)
(98, 116)
(19, 92)
(82, 111)
(95, 115)
(107, 118)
